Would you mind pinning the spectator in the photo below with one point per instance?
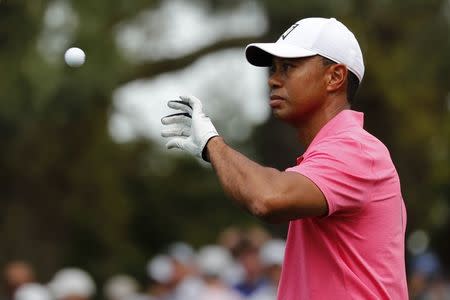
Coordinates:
(212, 262)
(426, 281)
(257, 235)
(121, 287)
(188, 284)
(272, 255)
(160, 270)
(32, 291)
(16, 274)
(72, 284)
(230, 237)
(247, 254)
(438, 289)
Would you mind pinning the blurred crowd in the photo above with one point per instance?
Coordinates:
(241, 265)
(428, 280)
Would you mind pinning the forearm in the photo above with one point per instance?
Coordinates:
(265, 192)
(247, 182)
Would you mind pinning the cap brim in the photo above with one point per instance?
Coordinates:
(261, 54)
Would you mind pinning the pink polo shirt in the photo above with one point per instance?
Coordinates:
(357, 250)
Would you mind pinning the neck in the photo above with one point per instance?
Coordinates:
(308, 129)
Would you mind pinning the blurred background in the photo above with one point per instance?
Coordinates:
(85, 180)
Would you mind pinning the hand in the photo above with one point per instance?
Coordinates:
(190, 129)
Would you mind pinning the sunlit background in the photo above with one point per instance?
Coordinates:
(87, 183)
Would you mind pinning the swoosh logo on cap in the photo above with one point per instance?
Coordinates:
(284, 35)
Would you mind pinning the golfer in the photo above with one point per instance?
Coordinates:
(342, 199)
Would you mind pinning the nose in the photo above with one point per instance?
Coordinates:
(274, 80)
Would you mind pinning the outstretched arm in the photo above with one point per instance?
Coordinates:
(265, 192)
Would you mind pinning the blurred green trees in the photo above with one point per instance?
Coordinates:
(70, 195)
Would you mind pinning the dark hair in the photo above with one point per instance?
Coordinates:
(352, 80)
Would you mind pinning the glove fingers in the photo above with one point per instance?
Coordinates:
(176, 131)
(180, 105)
(178, 118)
(194, 102)
(175, 143)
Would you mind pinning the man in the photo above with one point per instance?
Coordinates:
(72, 284)
(247, 255)
(32, 291)
(272, 256)
(343, 198)
(16, 274)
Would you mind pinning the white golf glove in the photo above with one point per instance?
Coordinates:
(190, 129)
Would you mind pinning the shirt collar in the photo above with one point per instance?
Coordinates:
(342, 121)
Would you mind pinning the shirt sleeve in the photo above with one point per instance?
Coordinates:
(342, 171)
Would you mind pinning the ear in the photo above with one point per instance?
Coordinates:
(337, 77)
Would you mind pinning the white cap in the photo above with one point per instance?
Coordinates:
(272, 252)
(32, 291)
(181, 252)
(213, 260)
(312, 36)
(121, 287)
(160, 268)
(72, 282)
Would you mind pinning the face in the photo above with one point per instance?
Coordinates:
(297, 88)
(18, 274)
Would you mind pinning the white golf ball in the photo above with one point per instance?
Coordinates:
(74, 57)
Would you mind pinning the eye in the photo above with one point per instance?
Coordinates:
(286, 66)
(272, 69)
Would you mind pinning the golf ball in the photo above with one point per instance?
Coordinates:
(74, 57)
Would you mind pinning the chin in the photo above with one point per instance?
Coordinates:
(280, 112)
(286, 117)
(277, 115)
